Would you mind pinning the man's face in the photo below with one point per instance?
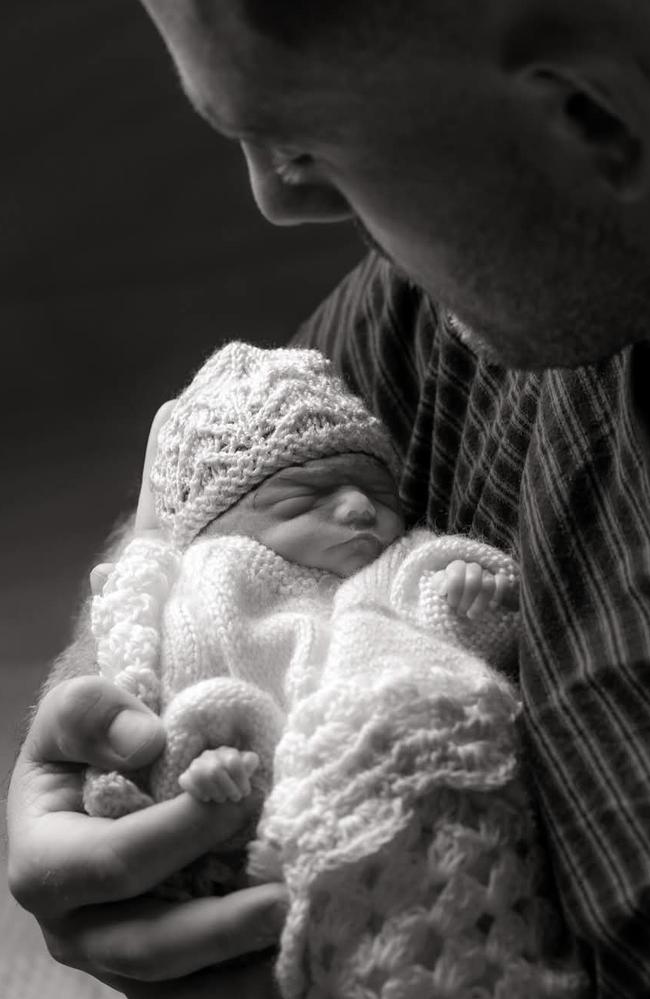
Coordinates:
(337, 513)
(437, 162)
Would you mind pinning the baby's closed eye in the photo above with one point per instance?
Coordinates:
(293, 505)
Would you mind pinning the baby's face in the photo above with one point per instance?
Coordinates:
(337, 513)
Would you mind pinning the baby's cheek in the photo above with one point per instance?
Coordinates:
(296, 538)
(394, 527)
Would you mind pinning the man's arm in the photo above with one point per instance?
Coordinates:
(584, 529)
(585, 656)
(78, 877)
(86, 880)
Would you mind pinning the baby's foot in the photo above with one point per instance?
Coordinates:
(220, 774)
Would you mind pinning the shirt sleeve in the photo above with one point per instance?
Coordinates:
(585, 655)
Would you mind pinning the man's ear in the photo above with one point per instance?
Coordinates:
(599, 116)
(577, 67)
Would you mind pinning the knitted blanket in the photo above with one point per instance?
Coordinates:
(397, 813)
(205, 638)
(398, 816)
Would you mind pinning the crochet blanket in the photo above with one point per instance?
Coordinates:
(399, 818)
(397, 813)
(205, 638)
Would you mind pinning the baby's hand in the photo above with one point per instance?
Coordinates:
(220, 775)
(470, 589)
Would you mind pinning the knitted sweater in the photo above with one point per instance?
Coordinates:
(205, 638)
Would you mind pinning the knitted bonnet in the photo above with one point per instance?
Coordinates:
(248, 413)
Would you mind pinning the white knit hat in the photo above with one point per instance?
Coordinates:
(248, 413)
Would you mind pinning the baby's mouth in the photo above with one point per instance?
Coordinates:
(365, 539)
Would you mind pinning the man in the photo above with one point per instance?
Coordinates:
(496, 152)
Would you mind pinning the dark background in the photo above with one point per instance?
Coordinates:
(130, 247)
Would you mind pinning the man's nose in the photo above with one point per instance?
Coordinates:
(354, 508)
(290, 204)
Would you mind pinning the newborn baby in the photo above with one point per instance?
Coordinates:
(283, 612)
(336, 514)
(205, 623)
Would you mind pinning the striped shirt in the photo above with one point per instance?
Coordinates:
(553, 467)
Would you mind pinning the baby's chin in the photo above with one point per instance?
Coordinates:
(356, 560)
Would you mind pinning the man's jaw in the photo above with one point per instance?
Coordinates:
(370, 240)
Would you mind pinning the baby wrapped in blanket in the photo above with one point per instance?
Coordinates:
(295, 643)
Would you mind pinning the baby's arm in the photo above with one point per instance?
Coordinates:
(220, 775)
(470, 589)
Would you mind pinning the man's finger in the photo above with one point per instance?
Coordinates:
(145, 517)
(89, 720)
(254, 980)
(98, 577)
(149, 939)
(106, 860)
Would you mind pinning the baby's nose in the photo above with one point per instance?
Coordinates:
(355, 508)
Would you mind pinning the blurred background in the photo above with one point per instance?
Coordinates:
(129, 249)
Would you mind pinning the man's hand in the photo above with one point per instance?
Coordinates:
(86, 880)
(145, 521)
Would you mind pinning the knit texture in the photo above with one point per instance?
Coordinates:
(205, 640)
(398, 816)
(248, 413)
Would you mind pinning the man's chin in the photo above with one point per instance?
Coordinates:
(369, 240)
(476, 343)
(536, 352)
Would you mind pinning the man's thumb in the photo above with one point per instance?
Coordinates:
(90, 721)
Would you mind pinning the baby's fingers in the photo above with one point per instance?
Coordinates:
(473, 580)
(485, 596)
(506, 592)
(239, 766)
(220, 774)
(452, 584)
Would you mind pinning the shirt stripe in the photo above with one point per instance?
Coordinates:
(553, 467)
